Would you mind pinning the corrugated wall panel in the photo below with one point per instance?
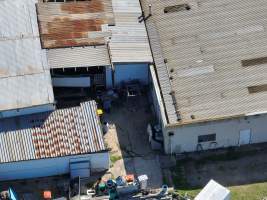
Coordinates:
(78, 57)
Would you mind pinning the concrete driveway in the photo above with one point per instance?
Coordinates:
(128, 140)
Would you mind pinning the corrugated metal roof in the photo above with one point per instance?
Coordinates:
(62, 132)
(24, 78)
(203, 48)
(26, 91)
(19, 18)
(78, 57)
(66, 24)
(163, 73)
(129, 42)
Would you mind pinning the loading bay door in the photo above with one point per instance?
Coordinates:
(244, 136)
(80, 167)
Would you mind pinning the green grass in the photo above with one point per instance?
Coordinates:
(114, 158)
(257, 191)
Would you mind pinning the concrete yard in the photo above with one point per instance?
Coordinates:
(130, 153)
(128, 141)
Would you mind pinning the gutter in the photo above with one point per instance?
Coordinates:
(155, 70)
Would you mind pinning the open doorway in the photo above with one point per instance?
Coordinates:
(74, 85)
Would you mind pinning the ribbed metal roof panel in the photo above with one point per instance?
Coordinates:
(203, 49)
(62, 132)
(163, 73)
(19, 19)
(78, 57)
(24, 77)
(129, 42)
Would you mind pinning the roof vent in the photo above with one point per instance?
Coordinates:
(254, 61)
(177, 8)
(257, 89)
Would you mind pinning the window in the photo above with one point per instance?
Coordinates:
(176, 8)
(207, 138)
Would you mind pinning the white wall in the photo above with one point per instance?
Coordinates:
(26, 111)
(128, 72)
(185, 138)
(156, 97)
(50, 167)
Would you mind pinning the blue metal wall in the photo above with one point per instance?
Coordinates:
(27, 111)
(109, 77)
(128, 72)
(50, 167)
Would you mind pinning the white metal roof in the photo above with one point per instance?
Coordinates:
(25, 91)
(59, 133)
(18, 17)
(78, 57)
(24, 76)
(199, 55)
(129, 42)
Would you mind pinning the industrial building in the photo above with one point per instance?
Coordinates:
(94, 44)
(210, 87)
(50, 46)
(53, 143)
(24, 73)
(82, 44)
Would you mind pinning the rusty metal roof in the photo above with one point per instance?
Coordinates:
(59, 133)
(74, 23)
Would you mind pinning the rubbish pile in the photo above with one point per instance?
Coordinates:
(128, 187)
(122, 185)
(8, 195)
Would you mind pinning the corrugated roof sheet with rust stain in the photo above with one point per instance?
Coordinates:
(63, 132)
(74, 23)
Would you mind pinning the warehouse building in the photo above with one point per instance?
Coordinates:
(74, 36)
(35, 139)
(25, 82)
(53, 143)
(95, 44)
(210, 87)
(78, 45)
(129, 46)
